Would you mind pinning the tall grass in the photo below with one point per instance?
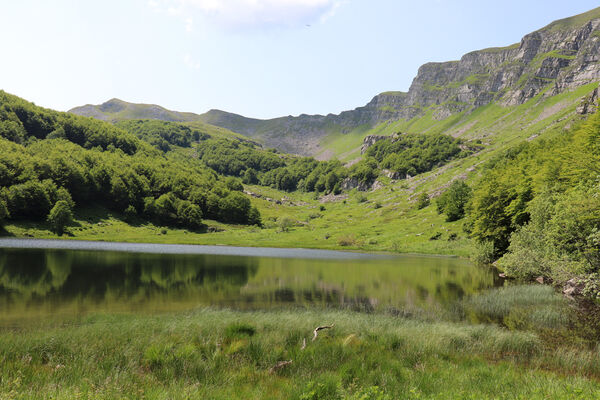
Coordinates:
(225, 354)
(519, 307)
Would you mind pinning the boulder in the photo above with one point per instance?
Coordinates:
(573, 287)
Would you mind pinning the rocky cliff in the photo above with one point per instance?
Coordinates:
(556, 58)
(559, 57)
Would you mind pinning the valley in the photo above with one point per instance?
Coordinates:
(463, 215)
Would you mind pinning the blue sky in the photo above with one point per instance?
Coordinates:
(259, 58)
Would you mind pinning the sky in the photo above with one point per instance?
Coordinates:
(258, 58)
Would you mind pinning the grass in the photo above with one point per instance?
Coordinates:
(520, 307)
(227, 354)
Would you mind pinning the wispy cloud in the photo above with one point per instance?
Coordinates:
(249, 14)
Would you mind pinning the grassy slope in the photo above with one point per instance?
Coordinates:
(206, 354)
(396, 226)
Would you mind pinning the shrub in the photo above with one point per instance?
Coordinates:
(285, 223)
(60, 216)
(436, 236)
(484, 253)
(361, 198)
(130, 213)
(348, 240)
(454, 200)
(423, 201)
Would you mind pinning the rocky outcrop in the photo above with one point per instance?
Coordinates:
(559, 57)
(589, 105)
(369, 141)
(353, 183)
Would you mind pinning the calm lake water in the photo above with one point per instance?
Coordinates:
(46, 279)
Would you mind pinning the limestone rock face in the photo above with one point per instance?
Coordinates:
(559, 57)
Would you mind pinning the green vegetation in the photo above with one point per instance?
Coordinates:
(537, 203)
(47, 157)
(454, 200)
(60, 216)
(163, 134)
(412, 154)
(226, 354)
(575, 21)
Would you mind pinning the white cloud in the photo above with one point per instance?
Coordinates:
(244, 14)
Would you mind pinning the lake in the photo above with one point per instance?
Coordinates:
(45, 279)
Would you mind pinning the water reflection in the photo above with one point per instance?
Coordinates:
(43, 283)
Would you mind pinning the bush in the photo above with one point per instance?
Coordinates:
(423, 201)
(484, 253)
(60, 216)
(436, 236)
(285, 223)
(348, 240)
(454, 200)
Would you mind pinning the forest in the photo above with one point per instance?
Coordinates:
(536, 209)
(47, 157)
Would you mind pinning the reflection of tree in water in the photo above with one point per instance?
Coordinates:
(99, 275)
(33, 273)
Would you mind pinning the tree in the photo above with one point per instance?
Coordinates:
(453, 201)
(250, 177)
(4, 214)
(60, 216)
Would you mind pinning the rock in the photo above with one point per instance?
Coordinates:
(353, 183)
(392, 174)
(376, 185)
(573, 287)
(589, 104)
(370, 141)
(540, 280)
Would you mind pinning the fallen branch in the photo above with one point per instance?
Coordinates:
(320, 328)
(303, 344)
(278, 366)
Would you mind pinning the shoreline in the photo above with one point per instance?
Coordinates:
(202, 249)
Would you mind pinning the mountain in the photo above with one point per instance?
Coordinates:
(559, 58)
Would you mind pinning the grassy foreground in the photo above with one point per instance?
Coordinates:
(210, 354)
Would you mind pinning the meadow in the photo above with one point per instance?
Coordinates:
(225, 354)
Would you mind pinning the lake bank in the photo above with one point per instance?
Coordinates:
(336, 230)
(162, 248)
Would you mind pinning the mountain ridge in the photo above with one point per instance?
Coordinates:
(561, 56)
